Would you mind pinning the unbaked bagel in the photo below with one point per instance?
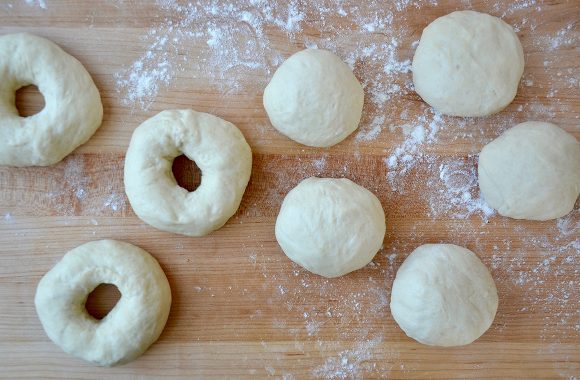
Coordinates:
(215, 145)
(72, 111)
(131, 326)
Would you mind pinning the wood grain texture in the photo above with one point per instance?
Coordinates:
(240, 308)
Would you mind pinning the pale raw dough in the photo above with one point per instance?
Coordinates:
(215, 145)
(443, 295)
(468, 64)
(314, 98)
(72, 111)
(531, 171)
(330, 226)
(131, 326)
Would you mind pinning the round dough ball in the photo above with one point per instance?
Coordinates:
(443, 295)
(330, 226)
(531, 171)
(217, 147)
(72, 111)
(314, 98)
(468, 64)
(134, 323)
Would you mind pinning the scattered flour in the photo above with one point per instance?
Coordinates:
(81, 194)
(141, 81)
(38, 3)
(75, 178)
(538, 278)
(353, 363)
(115, 201)
(228, 42)
(514, 6)
(233, 49)
(371, 131)
(421, 131)
(313, 327)
(569, 225)
(235, 46)
(8, 218)
(455, 192)
(522, 266)
(320, 163)
(565, 37)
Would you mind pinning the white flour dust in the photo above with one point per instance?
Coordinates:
(230, 46)
(8, 218)
(81, 194)
(522, 265)
(38, 3)
(564, 38)
(115, 201)
(315, 305)
(455, 192)
(353, 363)
(559, 256)
(228, 43)
(421, 131)
(372, 130)
(142, 80)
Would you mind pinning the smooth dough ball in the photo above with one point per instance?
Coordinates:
(330, 226)
(468, 64)
(134, 323)
(443, 295)
(72, 111)
(217, 147)
(314, 98)
(531, 171)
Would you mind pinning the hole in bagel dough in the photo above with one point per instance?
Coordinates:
(102, 300)
(29, 101)
(186, 173)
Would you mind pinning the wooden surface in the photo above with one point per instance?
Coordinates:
(240, 307)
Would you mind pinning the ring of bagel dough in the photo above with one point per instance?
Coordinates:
(131, 326)
(72, 111)
(468, 64)
(215, 145)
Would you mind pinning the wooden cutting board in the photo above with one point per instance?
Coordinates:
(240, 308)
